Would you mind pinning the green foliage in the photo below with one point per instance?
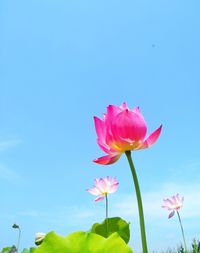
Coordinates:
(115, 224)
(14, 250)
(7, 249)
(82, 242)
(181, 249)
(195, 246)
(31, 250)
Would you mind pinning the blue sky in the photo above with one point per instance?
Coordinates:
(61, 63)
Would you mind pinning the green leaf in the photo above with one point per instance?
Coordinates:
(31, 250)
(82, 242)
(9, 249)
(115, 224)
(5, 250)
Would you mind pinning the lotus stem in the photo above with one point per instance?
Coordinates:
(19, 235)
(139, 201)
(179, 218)
(107, 214)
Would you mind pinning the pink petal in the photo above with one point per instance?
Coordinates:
(113, 188)
(113, 142)
(102, 186)
(111, 184)
(112, 111)
(101, 197)
(105, 147)
(108, 159)
(152, 138)
(168, 202)
(128, 125)
(164, 207)
(100, 129)
(124, 106)
(136, 109)
(94, 191)
(179, 199)
(171, 214)
(104, 138)
(114, 180)
(107, 180)
(96, 181)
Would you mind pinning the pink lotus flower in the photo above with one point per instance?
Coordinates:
(103, 186)
(120, 130)
(173, 204)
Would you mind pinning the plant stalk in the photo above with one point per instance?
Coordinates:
(139, 201)
(106, 214)
(179, 218)
(19, 237)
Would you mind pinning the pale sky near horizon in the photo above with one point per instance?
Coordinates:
(61, 63)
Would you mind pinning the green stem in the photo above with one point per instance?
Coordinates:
(139, 201)
(107, 214)
(179, 218)
(19, 236)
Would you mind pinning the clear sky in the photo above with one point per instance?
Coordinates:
(61, 63)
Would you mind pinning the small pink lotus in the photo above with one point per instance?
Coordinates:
(121, 130)
(173, 204)
(103, 186)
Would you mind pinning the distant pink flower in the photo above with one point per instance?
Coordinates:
(120, 130)
(173, 204)
(103, 186)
